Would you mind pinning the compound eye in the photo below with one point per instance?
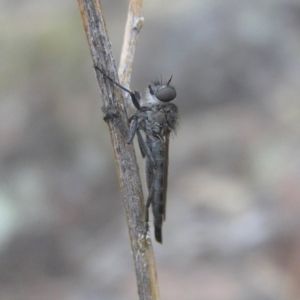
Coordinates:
(166, 94)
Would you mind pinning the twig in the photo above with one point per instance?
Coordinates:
(125, 159)
(134, 24)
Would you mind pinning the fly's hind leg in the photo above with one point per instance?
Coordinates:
(150, 197)
(151, 169)
(153, 176)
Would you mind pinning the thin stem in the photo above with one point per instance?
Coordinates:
(125, 159)
(133, 26)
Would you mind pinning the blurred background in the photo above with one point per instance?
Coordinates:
(232, 230)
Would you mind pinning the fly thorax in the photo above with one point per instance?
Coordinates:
(156, 127)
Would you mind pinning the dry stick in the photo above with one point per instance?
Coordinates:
(134, 24)
(125, 159)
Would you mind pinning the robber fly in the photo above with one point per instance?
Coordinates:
(157, 118)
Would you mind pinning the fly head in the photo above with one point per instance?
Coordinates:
(163, 92)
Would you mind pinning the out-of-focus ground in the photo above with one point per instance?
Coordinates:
(232, 230)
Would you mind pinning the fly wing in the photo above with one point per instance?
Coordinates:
(171, 113)
(165, 173)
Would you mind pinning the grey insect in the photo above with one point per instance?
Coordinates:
(157, 118)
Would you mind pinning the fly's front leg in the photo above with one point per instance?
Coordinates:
(136, 127)
(111, 113)
(135, 97)
(134, 123)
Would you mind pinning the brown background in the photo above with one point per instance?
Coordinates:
(232, 230)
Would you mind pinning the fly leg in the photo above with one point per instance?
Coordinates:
(111, 113)
(150, 164)
(145, 149)
(150, 195)
(154, 152)
(155, 196)
(136, 127)
(149, 202)
(133, 121)
(135, 97)
(135, 124)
